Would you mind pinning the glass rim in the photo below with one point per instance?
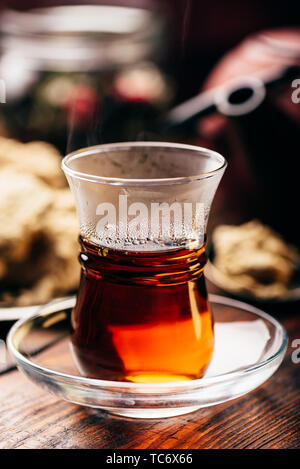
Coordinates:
(65, 165)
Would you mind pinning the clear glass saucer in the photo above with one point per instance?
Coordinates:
(249, 347)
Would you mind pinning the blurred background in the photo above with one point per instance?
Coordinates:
(216, 74)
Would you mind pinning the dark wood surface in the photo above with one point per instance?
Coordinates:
(268, 417)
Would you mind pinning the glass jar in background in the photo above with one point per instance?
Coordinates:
(80, 75)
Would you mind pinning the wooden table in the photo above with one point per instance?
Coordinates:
(268, 417)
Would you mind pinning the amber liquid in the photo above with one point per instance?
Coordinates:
(142, 316)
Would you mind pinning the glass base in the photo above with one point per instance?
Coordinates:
(152, 413)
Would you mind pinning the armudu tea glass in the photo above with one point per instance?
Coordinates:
(142, 313)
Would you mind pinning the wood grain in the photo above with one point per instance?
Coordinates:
(266, 418)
